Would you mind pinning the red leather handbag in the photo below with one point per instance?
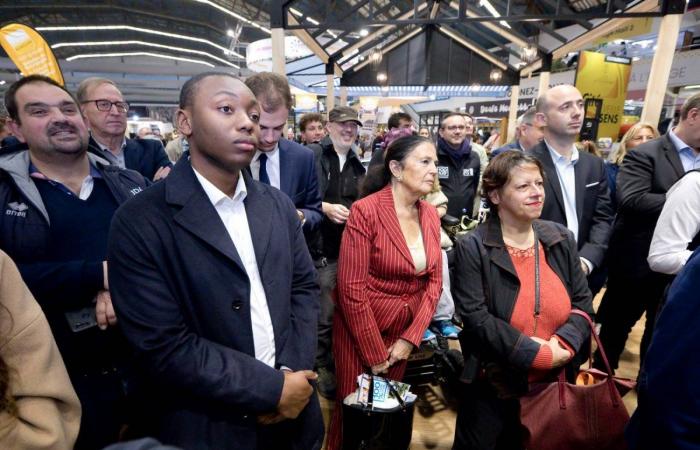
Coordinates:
(561, 415)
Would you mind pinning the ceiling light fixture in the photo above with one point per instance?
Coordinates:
(155, 55)
(490, 8)
(148, 44)
(381, 77)
(138, 29)
(496, 75)
(364, 32)
(233, 14)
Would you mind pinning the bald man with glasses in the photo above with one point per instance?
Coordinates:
(105, 112)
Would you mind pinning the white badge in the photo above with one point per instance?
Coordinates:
(468, 172)
(443, 172)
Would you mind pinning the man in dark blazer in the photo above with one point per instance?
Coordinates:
(216, 292)
(576, 186)
(105, 110)
(645, 176)
(279, 162)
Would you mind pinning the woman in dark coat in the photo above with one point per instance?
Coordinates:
(511, 334)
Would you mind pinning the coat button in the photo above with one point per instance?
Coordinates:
(236, 306)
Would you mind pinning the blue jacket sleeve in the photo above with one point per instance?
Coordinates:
(299, 350)
(312, 211)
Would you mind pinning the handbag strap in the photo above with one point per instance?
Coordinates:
(609, 371)
(536, 312)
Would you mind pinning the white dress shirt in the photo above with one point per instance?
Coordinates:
(272, 166)
(567, 181)
(690, 159)
(677, 226)
(232, 212)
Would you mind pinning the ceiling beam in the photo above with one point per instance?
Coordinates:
(473, 46)
(312, 44)
(395, 43)
(590, 36)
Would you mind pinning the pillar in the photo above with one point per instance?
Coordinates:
(343, 96)
(278, 62)
(513, 112)
(661, 67)
(544, 83)
(330, 95)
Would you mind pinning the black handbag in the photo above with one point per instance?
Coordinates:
(366, 428)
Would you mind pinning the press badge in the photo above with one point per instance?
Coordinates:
(443, 172)
(468, 172)
(81, 319)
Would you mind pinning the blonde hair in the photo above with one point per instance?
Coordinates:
(631, 134)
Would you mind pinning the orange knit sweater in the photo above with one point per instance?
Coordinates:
(555, 304)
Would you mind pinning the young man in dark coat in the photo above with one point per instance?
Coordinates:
(216, 291)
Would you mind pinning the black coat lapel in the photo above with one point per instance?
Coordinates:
(259, 210)
(197, 214)
(542, 153)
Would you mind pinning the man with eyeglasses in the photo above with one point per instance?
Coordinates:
(58, 201)
(459, 165)
(527, 134)
(105, 111)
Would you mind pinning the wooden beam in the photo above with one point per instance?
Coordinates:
(311, 43)
(473, 47)
(661, 68)
(330, 93)
(598, 31)
(513, 112)
(495, 27)
(370, 37)
(395, 43)
(278, 61)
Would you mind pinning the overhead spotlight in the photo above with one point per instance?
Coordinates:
(360, 58)
(230, 33)
(134, 117)
(364, 32)
(2, 82)
(475, 86)
(376, 56)
(496, 75)
(381, 77)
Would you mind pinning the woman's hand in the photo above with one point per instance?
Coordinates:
(560, 355)
(380, 368)
(400, 350)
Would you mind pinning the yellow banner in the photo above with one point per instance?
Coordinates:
(29, 51)
(597, 77)
(633, 27)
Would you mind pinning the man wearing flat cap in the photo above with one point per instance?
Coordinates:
(339, 175)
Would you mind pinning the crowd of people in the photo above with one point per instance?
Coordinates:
(205, 295)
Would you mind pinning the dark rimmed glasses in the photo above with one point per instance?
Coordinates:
(105, 105)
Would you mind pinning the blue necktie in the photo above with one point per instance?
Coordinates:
(263, 178)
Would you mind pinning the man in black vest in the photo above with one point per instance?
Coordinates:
(459, 166)
(339, 174)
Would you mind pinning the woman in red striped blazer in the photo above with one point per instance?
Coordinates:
(389, 271)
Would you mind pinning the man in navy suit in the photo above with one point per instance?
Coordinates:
(105, 110)
(576, 186)
(284, 164)
(215, 290)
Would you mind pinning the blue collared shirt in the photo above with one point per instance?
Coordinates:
(85, 188)
(689, 158)
(567, 181)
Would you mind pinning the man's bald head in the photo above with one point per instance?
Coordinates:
(560, 111)
(546, 100)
